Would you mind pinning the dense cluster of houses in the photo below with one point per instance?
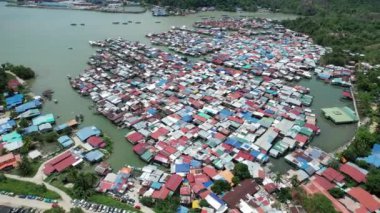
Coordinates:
(200, 118)
(193, 181)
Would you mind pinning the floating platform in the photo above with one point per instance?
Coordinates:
(340, 115)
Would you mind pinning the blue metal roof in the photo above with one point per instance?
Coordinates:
(7, 126)
(29, 105)
(182, 168)
(14, 100)
(30, 129)
(94, 155)
(156, 185)
(87, 132)
(195, 164)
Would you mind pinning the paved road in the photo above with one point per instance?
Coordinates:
(18, 202)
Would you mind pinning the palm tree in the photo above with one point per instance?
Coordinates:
(278, 178)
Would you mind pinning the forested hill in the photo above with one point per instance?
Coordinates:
(350, 27)
(304, 7)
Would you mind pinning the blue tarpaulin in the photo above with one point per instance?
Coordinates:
(152, 111)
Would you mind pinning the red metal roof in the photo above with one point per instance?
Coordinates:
(59, 158)
(198, 187)
(190, 178)
(323, 182)
(9, 160)
(204, 194)
(301, 138)
(96, 142)
(210, 171)
(59, 163)
(185, 190)
(364, 198)
(242, 155)
(270, 187)
(201, 178)
(332, 175)
(173, 182)
(67, 162)
(135, 137)
(139, 148)
(159, 132)
(353, 172)
(161, 194)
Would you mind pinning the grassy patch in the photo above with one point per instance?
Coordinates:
(109, 201)
(27, 188)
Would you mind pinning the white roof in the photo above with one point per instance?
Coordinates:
(111, 177)
(34, 154)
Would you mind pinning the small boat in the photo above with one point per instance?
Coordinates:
(82, 24)
(129, 21)
(70, 48)
(138, 22)
(125, 23)
(69, 76)
(73, 24)
(55, 101)
(157, 22)
(115, 22)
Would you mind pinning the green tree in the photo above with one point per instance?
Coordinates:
(294, 181)
(76, 210)
(284, 194)
(235, 180)
(50, 137)
(168, 205)
(24, 167)
(83, 185)
(241, 171)
(337, 192)
(278, 177)
(147, 201)
(220, 186)
(373, 180)
(23, 123)
(203, 203)
(26, 146)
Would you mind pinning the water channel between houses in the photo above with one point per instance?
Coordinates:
(41, 38)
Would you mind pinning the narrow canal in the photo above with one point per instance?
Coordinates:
(41, 38)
